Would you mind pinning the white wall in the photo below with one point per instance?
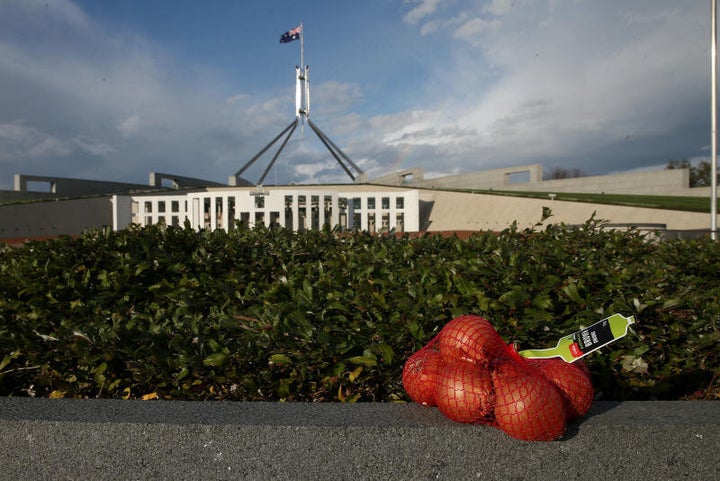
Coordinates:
(297, 209)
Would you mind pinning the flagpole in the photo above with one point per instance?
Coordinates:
(713, 120)
(302, 46)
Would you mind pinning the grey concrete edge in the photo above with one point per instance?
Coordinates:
(115, 439)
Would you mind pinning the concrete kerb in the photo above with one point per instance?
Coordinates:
(113, 439)
(104, 439)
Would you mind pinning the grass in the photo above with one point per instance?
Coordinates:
(689, 204)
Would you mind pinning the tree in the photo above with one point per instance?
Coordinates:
(563, 173)
(699, 174)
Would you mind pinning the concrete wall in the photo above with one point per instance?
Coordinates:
(113, 439)
(179, 181)
(22, 196)
(465, 211)
(660, 182)
(55, 217)
(499, 179)
(68, 187)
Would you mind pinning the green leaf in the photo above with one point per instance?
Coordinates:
(279, 359)
(365, 361)
(3, 364)
(218, 359)
(386, 352)
(354, 374)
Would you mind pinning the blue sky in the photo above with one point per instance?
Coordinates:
(114, 89)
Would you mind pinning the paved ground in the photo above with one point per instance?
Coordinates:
(105, 439)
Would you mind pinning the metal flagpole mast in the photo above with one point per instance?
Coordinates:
(302, 47)
(302, 113)
(713, 128)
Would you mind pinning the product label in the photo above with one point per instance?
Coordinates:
(581, 343)
(594, 337)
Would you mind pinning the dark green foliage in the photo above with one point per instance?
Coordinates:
(323, 316)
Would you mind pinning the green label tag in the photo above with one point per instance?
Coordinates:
(581, 343)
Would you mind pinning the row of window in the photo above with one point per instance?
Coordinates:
(371, 203)
(274, 220)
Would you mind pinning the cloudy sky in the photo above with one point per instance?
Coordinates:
(114, 89)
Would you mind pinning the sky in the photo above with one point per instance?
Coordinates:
(115, 89)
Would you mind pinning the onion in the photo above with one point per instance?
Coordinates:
(573, 380)
(464, 392)
(471, 338)
(527, 406)
(420, 375)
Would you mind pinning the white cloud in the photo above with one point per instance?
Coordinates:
(472, 30)
(237, 98)
(93, 147)
(19, 141)
(561, 79)
(129, 125)
(422, 10)
(500, 7)
(496, 83)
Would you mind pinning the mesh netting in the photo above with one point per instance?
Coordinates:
(473, 376)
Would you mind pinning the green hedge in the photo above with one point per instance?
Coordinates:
(324, 316)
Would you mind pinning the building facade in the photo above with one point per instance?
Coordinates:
(298, 209)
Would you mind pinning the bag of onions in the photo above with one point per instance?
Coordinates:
(473, 376)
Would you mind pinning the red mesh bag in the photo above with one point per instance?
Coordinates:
(472, 376)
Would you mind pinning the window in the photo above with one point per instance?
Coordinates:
(219, 213)
(400, 202)
(161, 206)
(274, 219)
(175, 206)
(328, 210)
(386, 202)
(371, 222)
(371, 202)
(206, 212)
(231, 213)
(400, 222)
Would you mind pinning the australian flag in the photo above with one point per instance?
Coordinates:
(291, 35)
